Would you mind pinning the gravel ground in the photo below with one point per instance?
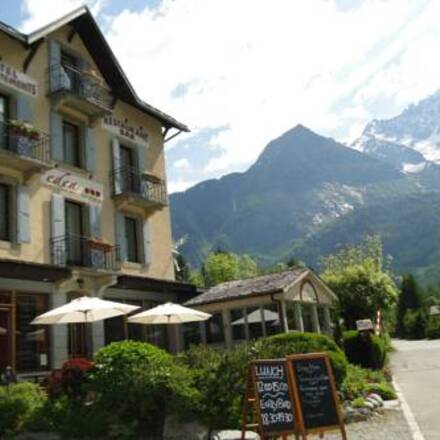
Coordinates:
(390, 426)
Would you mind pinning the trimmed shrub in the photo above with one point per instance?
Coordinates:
(367, 351)
(138, 383)
(18, 404)
(433, 328)
(414, 323)
(284, 344)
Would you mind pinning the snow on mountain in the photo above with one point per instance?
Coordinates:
(407, 140)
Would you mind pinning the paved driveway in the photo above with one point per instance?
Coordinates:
(416, 367)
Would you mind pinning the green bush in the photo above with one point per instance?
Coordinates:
(220, 376)
(367, 351)
(414, 323)
(433, 327)
(360, 382)
(18, 404)
(139, 383)
(284, 344)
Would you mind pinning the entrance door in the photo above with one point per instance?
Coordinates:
(4, 104)
(129, 169)
(74, 233)
(5, 337)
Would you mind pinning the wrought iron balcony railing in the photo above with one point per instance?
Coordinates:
(77, 250)
(80, 83)
(130, 181)
(24, 140)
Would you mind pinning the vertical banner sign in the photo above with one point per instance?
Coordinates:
(317, 394)
(274, 403)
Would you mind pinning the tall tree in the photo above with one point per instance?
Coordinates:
(409, 299)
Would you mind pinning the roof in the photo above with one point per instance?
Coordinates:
(263, 285)
(84, 24)
(23, 270)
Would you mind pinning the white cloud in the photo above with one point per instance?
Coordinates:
(179, 185)
(182, 164)
(257, 68)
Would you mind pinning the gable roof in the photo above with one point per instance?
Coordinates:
(84, 24)
(263, 285)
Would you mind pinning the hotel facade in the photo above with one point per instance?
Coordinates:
(83, 198)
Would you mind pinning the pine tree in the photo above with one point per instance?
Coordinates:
(409, 299)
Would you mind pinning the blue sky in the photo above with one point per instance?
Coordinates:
(241, 72)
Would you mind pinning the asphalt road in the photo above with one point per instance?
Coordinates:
(416, 368)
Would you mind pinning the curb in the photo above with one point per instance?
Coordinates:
(409, 416)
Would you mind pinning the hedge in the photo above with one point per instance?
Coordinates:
(367, 352)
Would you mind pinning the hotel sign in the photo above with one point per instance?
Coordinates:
(16, 80)
(125, 129)
(80, 188)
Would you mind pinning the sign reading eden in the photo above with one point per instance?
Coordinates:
(17, 80)
(82, 189)
(125, 129)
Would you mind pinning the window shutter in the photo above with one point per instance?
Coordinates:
(23, 109)
(58, 230)
(146, 244)
(95, 220)
(56, 136)
(23, 215)
(120, 235)
(142, 158)
(55, 78)
(90, 149)
(117, 177)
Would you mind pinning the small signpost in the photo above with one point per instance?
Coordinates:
(269, 391)
(294, 395)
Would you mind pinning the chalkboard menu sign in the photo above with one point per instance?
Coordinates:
(316, 390)
(275, 405)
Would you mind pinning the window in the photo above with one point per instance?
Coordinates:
(4, 106)
(132, 239)
(4, 212)
(71, 144)
(69, 63)
(272, 319)
(238, 324)
(214, 329)
(32, 342)
(74, 233)
(255, 324)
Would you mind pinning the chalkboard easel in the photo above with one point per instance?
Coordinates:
(316, 393)
(269, 399)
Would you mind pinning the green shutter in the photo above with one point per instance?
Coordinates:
(142, 158)
(90, 149)
(23, 108)
(95, 220)
(58, 230)
(120, 235)
(146, 242)
(23, 215)
(55, 77)
(56, 136)
(117, 177)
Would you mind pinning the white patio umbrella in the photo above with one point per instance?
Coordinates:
(169, 313)
(84, 310)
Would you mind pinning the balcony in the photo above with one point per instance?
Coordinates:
(80, 251)
(130, 187)
(23, 147)
(80, 90)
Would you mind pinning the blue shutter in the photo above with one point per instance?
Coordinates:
(23, 215)
(23, 109)
(95, 220)
(146, 243)
(90, 149)
(117, 177)
(120, 235)
(58, 230)
(55, 73)
(56, 136)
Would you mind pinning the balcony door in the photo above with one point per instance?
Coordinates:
(4, 106)
(5, 337)
(130, 178)
(74, 233)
